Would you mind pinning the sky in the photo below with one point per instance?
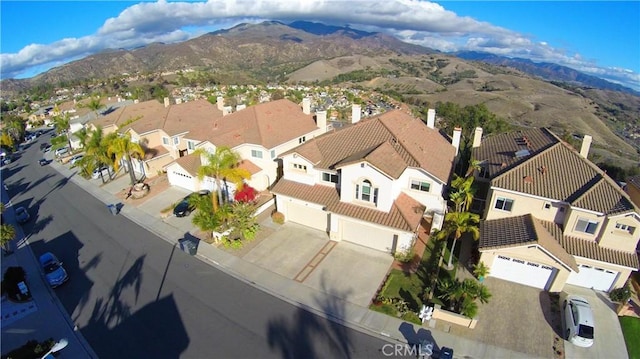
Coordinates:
(600, 38)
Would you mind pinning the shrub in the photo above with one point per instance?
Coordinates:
(621, 295)
(277, 217)
(411, 317)
(31, 349)
(406, 256)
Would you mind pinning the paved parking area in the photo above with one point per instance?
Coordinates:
(347, 270)
(517, 317)
(608, 339)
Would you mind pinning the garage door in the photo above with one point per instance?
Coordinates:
(593, 277)
(182, 180)
(367, 236)
(307, 216)
(521, 271)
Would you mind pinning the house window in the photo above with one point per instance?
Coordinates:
(586, 225)
(165, 140)
(256, 153)
(191, 145)
(504, 204)
(302, 139)
(420, 185)
(273, 154)
(300, 167)
(547, 205)
(626, 228)
(329, 177)
(176, 140)
(366, 192)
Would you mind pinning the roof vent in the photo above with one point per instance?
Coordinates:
(503, 165)
(543, 169)
(528, 179)
(522, 153)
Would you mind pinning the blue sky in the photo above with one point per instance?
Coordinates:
(598, 38)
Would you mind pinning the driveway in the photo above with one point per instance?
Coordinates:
(608, 339)
(517, 317)
(306, 255)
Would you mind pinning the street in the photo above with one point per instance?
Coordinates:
(134, 295)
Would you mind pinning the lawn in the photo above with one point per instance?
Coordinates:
(631, 331)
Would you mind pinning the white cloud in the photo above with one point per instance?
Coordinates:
(419, 22)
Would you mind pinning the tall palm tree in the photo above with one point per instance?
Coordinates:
(464, 192)
(121, 148)
(15, 127)
(62, 124)
(96, 152)
(7, 234)
(94, 105)
(458, 223)
(222, 165)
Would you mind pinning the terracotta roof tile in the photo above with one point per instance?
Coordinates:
(410, 139)
(499, 151)
(590, 249)
(559, 172)
(519, 231)
(405, 213)
(190, 163)
(154, 152)
(249, 166)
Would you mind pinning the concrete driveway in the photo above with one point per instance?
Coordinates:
(608, 339)
(306, 255)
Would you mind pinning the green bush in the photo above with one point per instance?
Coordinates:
(621, 295)
(387, 309)
(277, 217)
(30, 350)
(411, 317)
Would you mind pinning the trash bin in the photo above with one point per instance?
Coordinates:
(189, 246)
(113, 209)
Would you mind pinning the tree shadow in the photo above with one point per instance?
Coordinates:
(416, 337)
(552, 310)
(306, 335)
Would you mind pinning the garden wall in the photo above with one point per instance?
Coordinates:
(451, 317)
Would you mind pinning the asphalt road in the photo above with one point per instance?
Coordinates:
(134, 295)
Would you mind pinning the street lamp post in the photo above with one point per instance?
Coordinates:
(61, 344)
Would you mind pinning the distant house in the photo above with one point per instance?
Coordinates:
(551, 217)
(371, 183)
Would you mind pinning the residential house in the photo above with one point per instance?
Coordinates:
(259, 134)
(369, 183)
(551, 216)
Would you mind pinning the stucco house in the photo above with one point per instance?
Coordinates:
(551, 216)
(369, 183)
(259, 134)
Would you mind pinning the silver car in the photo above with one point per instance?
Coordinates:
(578, 317)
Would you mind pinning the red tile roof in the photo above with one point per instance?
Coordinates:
(190, 163)
(405, 213)
(391, 141)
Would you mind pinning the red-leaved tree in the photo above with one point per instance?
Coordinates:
(245, 194)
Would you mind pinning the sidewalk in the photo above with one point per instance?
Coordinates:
(44, 316)
(327, 304)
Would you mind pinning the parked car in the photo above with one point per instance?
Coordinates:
(75, 159)
(22, 215)
(104, 170)
(43, 146)
(578, 317)
(61, 151)
(43, 162)
(53, 269)
(47, 149)
(184, 207)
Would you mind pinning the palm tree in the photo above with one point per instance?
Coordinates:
(83, 137)
(96, 152)
(222, 165)
(7, 234)
(464, 192)
(121, 148)
(62, 123)
(15, 127)
(94, 105)
(458, 223)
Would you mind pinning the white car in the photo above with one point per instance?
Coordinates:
(104, 170)
(75, 159)
(578, 317)
(61, 151)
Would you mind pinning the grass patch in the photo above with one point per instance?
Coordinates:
(631, 331)
(387, 309)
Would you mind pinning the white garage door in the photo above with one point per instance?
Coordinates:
(521, 271)
(182, 180)
(367, 236)
(593, 277)
(307, 216)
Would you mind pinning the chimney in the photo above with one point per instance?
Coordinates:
(166, 102)
(226, 110)
(321, 120)
(431, 118)
(241, 107)
(355, 113)
(306, 106)
(455, 141)
(586, 145)
(220, 102)
(477, 137)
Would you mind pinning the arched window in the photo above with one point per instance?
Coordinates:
(366, 192)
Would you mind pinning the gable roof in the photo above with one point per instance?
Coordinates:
(561, 173)
(392, 142)
(522, 230)
(189, 163)
(405, 214)
(268, 124)
(498, 152)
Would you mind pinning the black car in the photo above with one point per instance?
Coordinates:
(184, 208)
(44, 145)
